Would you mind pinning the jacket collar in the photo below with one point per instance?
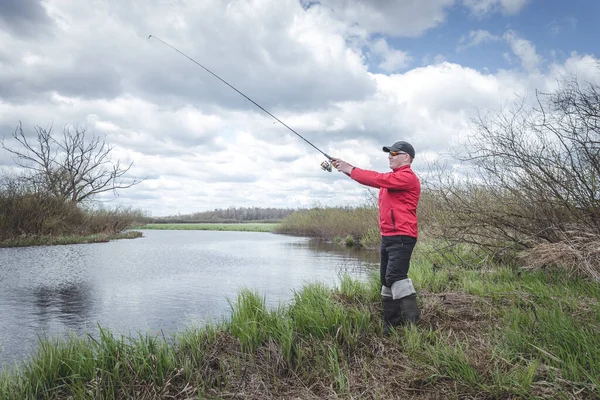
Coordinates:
(407, 166)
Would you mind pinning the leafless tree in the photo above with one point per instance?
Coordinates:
(74, 167)
(533, 174)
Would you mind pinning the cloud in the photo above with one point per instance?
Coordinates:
(482, 8)
(583, 67)
(476, 38)
(429, 59)
(393, 60)
(391, 17)
(293, 52)
(523, 49)
(23, 17)
(557, 26)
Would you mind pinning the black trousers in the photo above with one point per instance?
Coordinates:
(395, 258)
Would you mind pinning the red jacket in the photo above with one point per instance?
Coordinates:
(399, 193)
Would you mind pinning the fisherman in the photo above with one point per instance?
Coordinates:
(399, 193)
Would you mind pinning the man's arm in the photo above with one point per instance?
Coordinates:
(401, 179)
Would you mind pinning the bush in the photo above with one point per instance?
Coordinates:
(329, 223)
(26, 212)
(529, 183)
(113, 221)
(37, 214)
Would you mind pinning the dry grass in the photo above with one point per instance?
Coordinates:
(457, 311)
(357, 224)
(38, 219)
(578, 253)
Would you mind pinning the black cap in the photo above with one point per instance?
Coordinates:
(401, 146)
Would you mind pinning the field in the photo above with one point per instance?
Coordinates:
(245, 227)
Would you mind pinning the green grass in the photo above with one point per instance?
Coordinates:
(245, 227)
(493, 332)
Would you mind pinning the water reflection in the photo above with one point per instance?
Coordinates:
(71, 304)
(163, 282)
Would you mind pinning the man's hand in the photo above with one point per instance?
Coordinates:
(342, 166)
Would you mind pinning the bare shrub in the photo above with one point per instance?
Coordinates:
(529, 179)
(113, 221)
(36, 214)
(59, 174)
(331, 222)
(27, 212)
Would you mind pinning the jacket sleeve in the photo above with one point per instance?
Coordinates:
(400, 180)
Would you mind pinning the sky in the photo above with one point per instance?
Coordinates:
(350, 76)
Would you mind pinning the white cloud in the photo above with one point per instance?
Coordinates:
(558, 25)
(429, 59)
(481, 8)
(393, 60)
(523, 49)
(583, 67)
(511, 7)
(476, 38)
(391, 17)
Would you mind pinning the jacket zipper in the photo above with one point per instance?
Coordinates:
(393, 219)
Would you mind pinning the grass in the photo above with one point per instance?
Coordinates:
(67, 239)
(485, 333)
(245, 227)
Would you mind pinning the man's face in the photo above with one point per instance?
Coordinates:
(398, 159)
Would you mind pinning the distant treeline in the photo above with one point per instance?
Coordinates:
(231, 214)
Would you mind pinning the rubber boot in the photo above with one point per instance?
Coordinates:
(409, 309)
(392, 314)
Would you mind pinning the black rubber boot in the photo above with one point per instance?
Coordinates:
(409, 309)
(392, 314)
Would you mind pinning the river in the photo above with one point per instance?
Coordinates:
(163, 282)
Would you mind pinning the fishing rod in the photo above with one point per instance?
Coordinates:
(325, 165)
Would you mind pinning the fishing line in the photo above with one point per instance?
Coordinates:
(325, 165)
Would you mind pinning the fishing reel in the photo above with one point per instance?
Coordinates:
(326, 166)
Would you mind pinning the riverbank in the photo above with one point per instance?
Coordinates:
(67, 239)
(52, 240)
(242, 227)
(486, 332)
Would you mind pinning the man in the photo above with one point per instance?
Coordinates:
(399, 193)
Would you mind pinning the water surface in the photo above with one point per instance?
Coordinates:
(165, 281)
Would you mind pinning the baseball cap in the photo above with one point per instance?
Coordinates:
(401, 146)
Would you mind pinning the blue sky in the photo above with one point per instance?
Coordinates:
(349, 75)
(556, 28)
